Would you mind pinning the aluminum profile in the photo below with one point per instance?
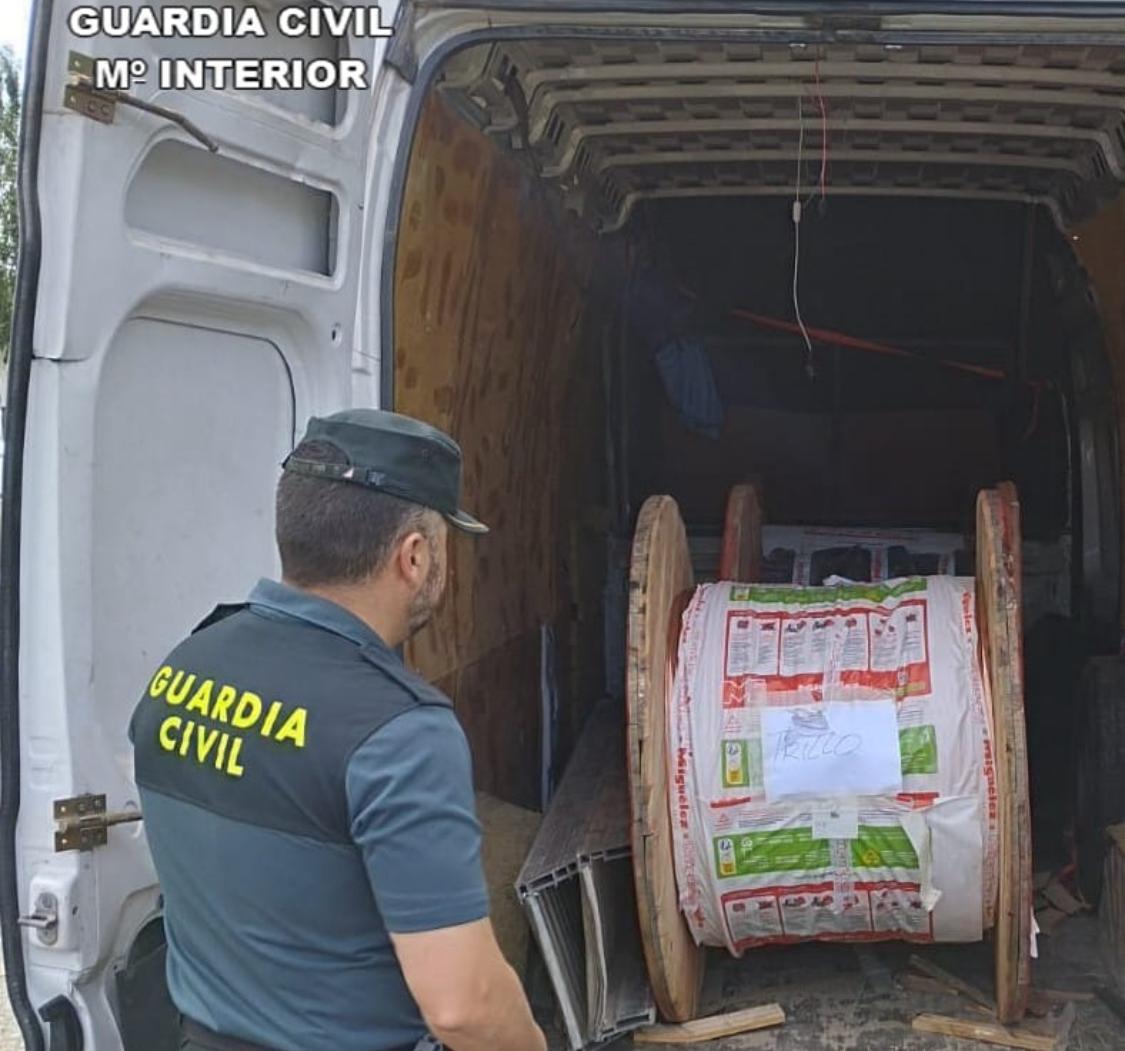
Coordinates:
(577, 888)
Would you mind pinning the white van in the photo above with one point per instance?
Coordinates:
(528, 204)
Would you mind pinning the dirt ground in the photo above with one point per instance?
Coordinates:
(843, 999)
(840, 998)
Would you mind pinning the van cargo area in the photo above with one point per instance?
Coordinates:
(869, 257)
(599, 290)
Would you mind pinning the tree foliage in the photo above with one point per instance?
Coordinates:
(9, 211)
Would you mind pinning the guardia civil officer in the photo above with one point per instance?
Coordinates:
(307, 799)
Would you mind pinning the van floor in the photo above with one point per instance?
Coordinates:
(846, 998)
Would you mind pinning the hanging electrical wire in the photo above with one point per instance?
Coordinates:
(823, 132)
(797, 207)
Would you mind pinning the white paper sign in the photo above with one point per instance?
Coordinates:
(833, 749)
(835, 823)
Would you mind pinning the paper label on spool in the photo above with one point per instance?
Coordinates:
(835, 748)
(893, 844)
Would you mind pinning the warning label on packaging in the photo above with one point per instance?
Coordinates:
(882, 648)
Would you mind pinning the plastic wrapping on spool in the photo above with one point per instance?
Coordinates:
(831, 771)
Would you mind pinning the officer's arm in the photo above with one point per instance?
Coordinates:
(410, 799)
(470, 997)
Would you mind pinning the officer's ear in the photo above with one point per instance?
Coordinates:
(413, 558)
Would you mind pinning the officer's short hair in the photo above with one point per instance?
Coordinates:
(331, 532)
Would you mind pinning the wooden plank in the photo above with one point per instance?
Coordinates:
(714, 1027)
(918, 983)
(985, 1032)
(952, 982)
(999, 569)
(660, 580)
(1062, 899)
(740, 557)
(1065, 996)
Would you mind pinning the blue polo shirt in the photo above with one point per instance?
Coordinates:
(292, 836)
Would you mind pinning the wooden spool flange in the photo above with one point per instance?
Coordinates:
(740, 558)
(659, 581)
(999, 613)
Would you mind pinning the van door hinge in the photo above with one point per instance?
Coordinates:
(80, 95)
(84, 822)
(83, 96)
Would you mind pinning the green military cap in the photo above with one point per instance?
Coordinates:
(393, 454)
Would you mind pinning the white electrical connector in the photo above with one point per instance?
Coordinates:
(796, 213)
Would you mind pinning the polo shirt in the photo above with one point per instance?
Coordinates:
(305, 795)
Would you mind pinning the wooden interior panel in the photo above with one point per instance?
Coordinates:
(493, 343)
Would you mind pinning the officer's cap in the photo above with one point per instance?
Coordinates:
(392, 454)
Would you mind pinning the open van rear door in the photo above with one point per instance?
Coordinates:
(195, 282)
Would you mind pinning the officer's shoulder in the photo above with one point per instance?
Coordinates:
(220, 613)
(412, 686)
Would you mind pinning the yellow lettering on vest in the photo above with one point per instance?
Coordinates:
(220, 758)
(201, 702)
(167, 741)
(227, 696)
(271, 718)
(294, 728)
(248, 712)
(233, 767)
(160, 681)
(185, 741)
(176, 694)
(204, 742)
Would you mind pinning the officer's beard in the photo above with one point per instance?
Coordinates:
(425, 603)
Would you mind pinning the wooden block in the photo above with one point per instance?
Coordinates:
(712, 1028)
(955, 984)
(986, 1032)
(1062, 899)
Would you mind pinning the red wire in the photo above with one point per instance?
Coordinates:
(842, 339)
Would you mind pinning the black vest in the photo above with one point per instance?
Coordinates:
(255, 717)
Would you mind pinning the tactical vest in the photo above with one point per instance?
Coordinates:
(255, 717)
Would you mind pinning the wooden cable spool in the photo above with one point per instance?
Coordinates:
(660, 581)
(660, 585)
(999, 613)
(740, 558)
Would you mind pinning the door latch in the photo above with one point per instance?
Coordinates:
(44, 920)
(84, 822)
